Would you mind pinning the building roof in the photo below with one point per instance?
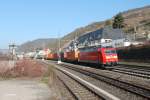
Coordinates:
(114, 34)
(106, 33)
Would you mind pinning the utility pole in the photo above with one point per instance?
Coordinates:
(43, 50)
(12, 49)
(135, 31)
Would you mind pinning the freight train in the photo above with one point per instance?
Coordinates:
(103, 57)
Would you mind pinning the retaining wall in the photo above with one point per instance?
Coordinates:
(135, 53)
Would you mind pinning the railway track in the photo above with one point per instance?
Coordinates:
(143, 72)
(136, 67)
(141, 91)
(77, 90)
(81, 89)
(138, 71)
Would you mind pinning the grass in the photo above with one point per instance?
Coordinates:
(7, 77)
(45, 80)
(48, 75)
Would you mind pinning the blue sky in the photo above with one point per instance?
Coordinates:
(25, 20)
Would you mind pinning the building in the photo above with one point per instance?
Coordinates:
(103, 36)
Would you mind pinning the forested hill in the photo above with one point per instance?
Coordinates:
(38, 44)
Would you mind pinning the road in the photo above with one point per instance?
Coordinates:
(24, 89)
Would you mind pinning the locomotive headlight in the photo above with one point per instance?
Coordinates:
(108, 57)
(115, 56)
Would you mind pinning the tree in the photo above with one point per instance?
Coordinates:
(118, 21)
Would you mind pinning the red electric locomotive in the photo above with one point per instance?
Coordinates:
(52, 56)
(70, 56)
(49, 56)
(98, 55)
(55, 56)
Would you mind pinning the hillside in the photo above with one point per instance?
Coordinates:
(139, 18)
(38, 44)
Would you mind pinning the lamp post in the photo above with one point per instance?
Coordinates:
(59, 51)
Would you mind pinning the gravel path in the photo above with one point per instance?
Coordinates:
(24, 89)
